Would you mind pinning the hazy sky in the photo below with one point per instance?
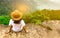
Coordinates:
(40, 4)
(48, 4)
(55, 1)
(34, 4)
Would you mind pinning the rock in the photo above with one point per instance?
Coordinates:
(34, 31)
(54, 24)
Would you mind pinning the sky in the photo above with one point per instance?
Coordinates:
(32, 4)
(48, 4)
(55, 1)
(39, 4)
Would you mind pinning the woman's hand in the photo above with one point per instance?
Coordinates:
(24, 28)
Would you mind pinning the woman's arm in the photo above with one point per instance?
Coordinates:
(10, 26)
(9, 29)
(24, 28)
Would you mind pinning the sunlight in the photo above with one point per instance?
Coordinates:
(23, 7)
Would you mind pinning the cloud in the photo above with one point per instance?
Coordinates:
(48, 5)
(55, 1)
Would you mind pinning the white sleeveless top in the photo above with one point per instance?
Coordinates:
(17, 27)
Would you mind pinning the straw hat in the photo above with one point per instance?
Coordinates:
(16, 15)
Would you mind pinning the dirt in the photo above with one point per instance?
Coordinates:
(34, 31)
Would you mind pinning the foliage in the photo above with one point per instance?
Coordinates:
(35, 17)
(40, 15)
(5, 7)
(4, 20)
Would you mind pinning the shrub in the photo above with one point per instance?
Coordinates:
(4, 20)
(35, 17)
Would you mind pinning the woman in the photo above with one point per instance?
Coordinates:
(16, 23)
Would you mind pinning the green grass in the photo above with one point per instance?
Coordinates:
(4, 20)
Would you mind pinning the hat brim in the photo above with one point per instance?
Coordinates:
(16, 19)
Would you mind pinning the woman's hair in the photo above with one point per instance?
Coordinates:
(17, 22)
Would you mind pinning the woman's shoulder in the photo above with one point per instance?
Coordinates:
(22, 20)
(11, 20)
